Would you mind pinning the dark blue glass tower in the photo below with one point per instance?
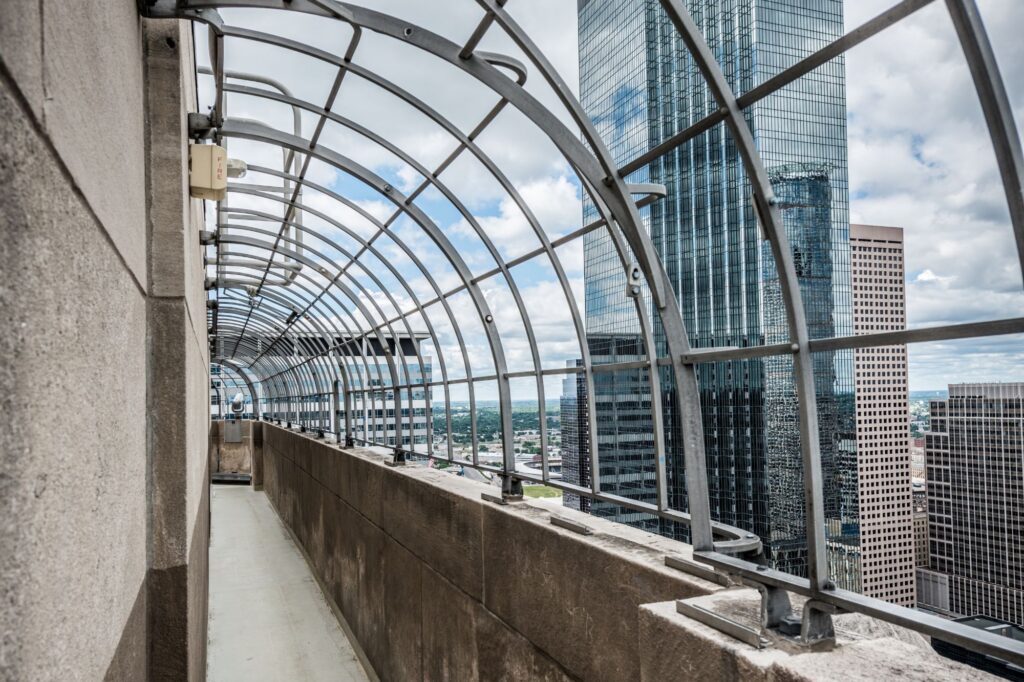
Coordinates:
(640, 86)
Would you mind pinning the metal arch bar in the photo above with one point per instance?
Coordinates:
(739, 541)
(277, 387)
(530, 255)
(263, 134)
(285, 303)
(651, 192)
(383, 290)
(398, 276)
(433, 179)
(995, 104)
(596, 164)
(387, 293)
(316, 326)
(369, 296)
(240, 188)
(278, 365)
(578, 156)
(598, 170)
(256, 321)
(352, 335)
(600, 184)
(265, 323)
(233, 315)
(269, 326)
(771, 221)
(322, 354)
(611, 196)
(780, 80)
(280, 331)
(349, 332)
(233, 318)
(423, 270)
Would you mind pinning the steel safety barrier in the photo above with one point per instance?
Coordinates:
(323, 320)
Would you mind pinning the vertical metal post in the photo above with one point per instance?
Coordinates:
(335, 409)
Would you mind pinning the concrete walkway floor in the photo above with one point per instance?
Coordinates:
(268, 618)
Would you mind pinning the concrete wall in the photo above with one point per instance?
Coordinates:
(103, 373)
(434, 583)
(178, 366)
(231, 457)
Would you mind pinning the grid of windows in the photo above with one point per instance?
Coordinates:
(887, 521)
(639, 86)
(974, 464)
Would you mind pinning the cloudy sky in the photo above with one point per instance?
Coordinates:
(920, 158)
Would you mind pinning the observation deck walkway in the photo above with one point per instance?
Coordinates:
(268, 618)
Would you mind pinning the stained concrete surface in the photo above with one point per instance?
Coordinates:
(268, 617)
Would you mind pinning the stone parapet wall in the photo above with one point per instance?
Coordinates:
(436, 583)
(433, 582)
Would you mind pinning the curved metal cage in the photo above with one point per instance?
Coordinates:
(332, 310)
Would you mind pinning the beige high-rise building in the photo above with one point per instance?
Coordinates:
(920, 534)
(883, 416)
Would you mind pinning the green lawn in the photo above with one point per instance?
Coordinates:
(541, 491)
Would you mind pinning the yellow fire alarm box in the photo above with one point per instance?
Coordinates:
(207, 171)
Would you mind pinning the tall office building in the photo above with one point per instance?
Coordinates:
(883, 417)
(575, 437)
(974, 461)
(640, 86)
(920, 534)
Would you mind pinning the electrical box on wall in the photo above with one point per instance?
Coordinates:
(207, 171)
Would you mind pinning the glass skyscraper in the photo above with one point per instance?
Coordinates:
(640, 86)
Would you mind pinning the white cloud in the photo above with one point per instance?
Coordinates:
(555, 203)
(920, 157)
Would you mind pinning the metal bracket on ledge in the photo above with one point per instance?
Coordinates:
(722, 624)
(569, 524)
(813, 628)
(511, 491)
(398, 460)
(816, 628)
(698, 569)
